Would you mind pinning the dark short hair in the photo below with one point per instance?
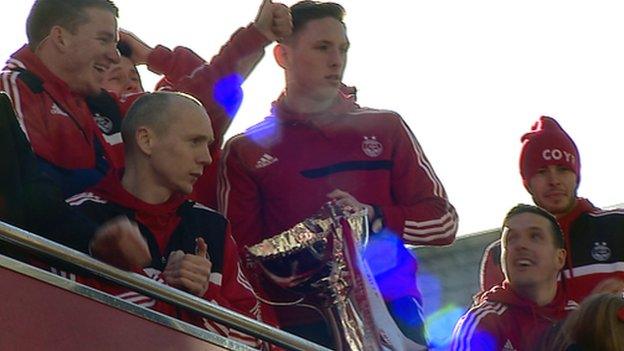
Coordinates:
(69, 14)
(307, 10)
(556, 232)
(152, 110)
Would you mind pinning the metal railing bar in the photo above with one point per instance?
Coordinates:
(24, 239)
(123, 305)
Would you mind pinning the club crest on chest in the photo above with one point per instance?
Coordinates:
(371, 146)
(601, 252)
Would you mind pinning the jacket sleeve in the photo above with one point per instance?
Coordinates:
(422, 214)
(475, 331)
(239, 198)
(491, 273)
(216, 84)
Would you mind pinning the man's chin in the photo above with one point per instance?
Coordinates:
(186, 190)
(522, 283)
(559, 208)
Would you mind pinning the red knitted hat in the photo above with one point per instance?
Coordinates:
(547, 144)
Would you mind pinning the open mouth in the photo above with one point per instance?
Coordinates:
(524, 262)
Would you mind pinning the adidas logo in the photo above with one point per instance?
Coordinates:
(55, 110)
(508, 346)
(265, 160)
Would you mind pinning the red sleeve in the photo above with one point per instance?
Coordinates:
(215, 84)
(422, 214)
(239, 197)
(177, 64)
(491, 273)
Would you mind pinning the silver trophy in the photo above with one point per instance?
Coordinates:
(317, 258)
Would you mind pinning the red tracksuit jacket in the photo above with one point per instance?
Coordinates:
(279, 171)
(167, 227)
(501, 320)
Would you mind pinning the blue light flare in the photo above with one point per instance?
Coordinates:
(440, 325)
(229, 93)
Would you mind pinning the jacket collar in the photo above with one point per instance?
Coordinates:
(505, 294)
(582, 206)
(345, 102)
(24, 58)
(111, 189)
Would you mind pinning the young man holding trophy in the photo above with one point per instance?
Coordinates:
(317, 146)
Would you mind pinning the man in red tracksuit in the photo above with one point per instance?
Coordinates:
(515, 314)
(550, 168)
(55, 83)
(319, 145)
(166, 137)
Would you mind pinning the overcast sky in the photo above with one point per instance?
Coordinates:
(469, 77)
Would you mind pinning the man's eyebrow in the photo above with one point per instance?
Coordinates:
(200, 136)
(108, 35)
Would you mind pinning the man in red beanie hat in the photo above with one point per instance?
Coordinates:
(550, 168)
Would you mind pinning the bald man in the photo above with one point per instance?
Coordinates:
(166, 138)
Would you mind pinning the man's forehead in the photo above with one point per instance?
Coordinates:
(526, 221)
(103, 20)
(323, 29)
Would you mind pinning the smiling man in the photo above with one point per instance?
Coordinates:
(56, 82)
(550, 167)
(70, 46)
(514, 315)
(319, 145)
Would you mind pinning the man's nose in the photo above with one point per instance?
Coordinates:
(205, 158)
(553, 176)
(336, 58)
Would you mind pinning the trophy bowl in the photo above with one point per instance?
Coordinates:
(296, 257)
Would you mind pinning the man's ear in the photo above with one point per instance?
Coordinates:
(144, 138)
(59, 36)
(280, 52)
